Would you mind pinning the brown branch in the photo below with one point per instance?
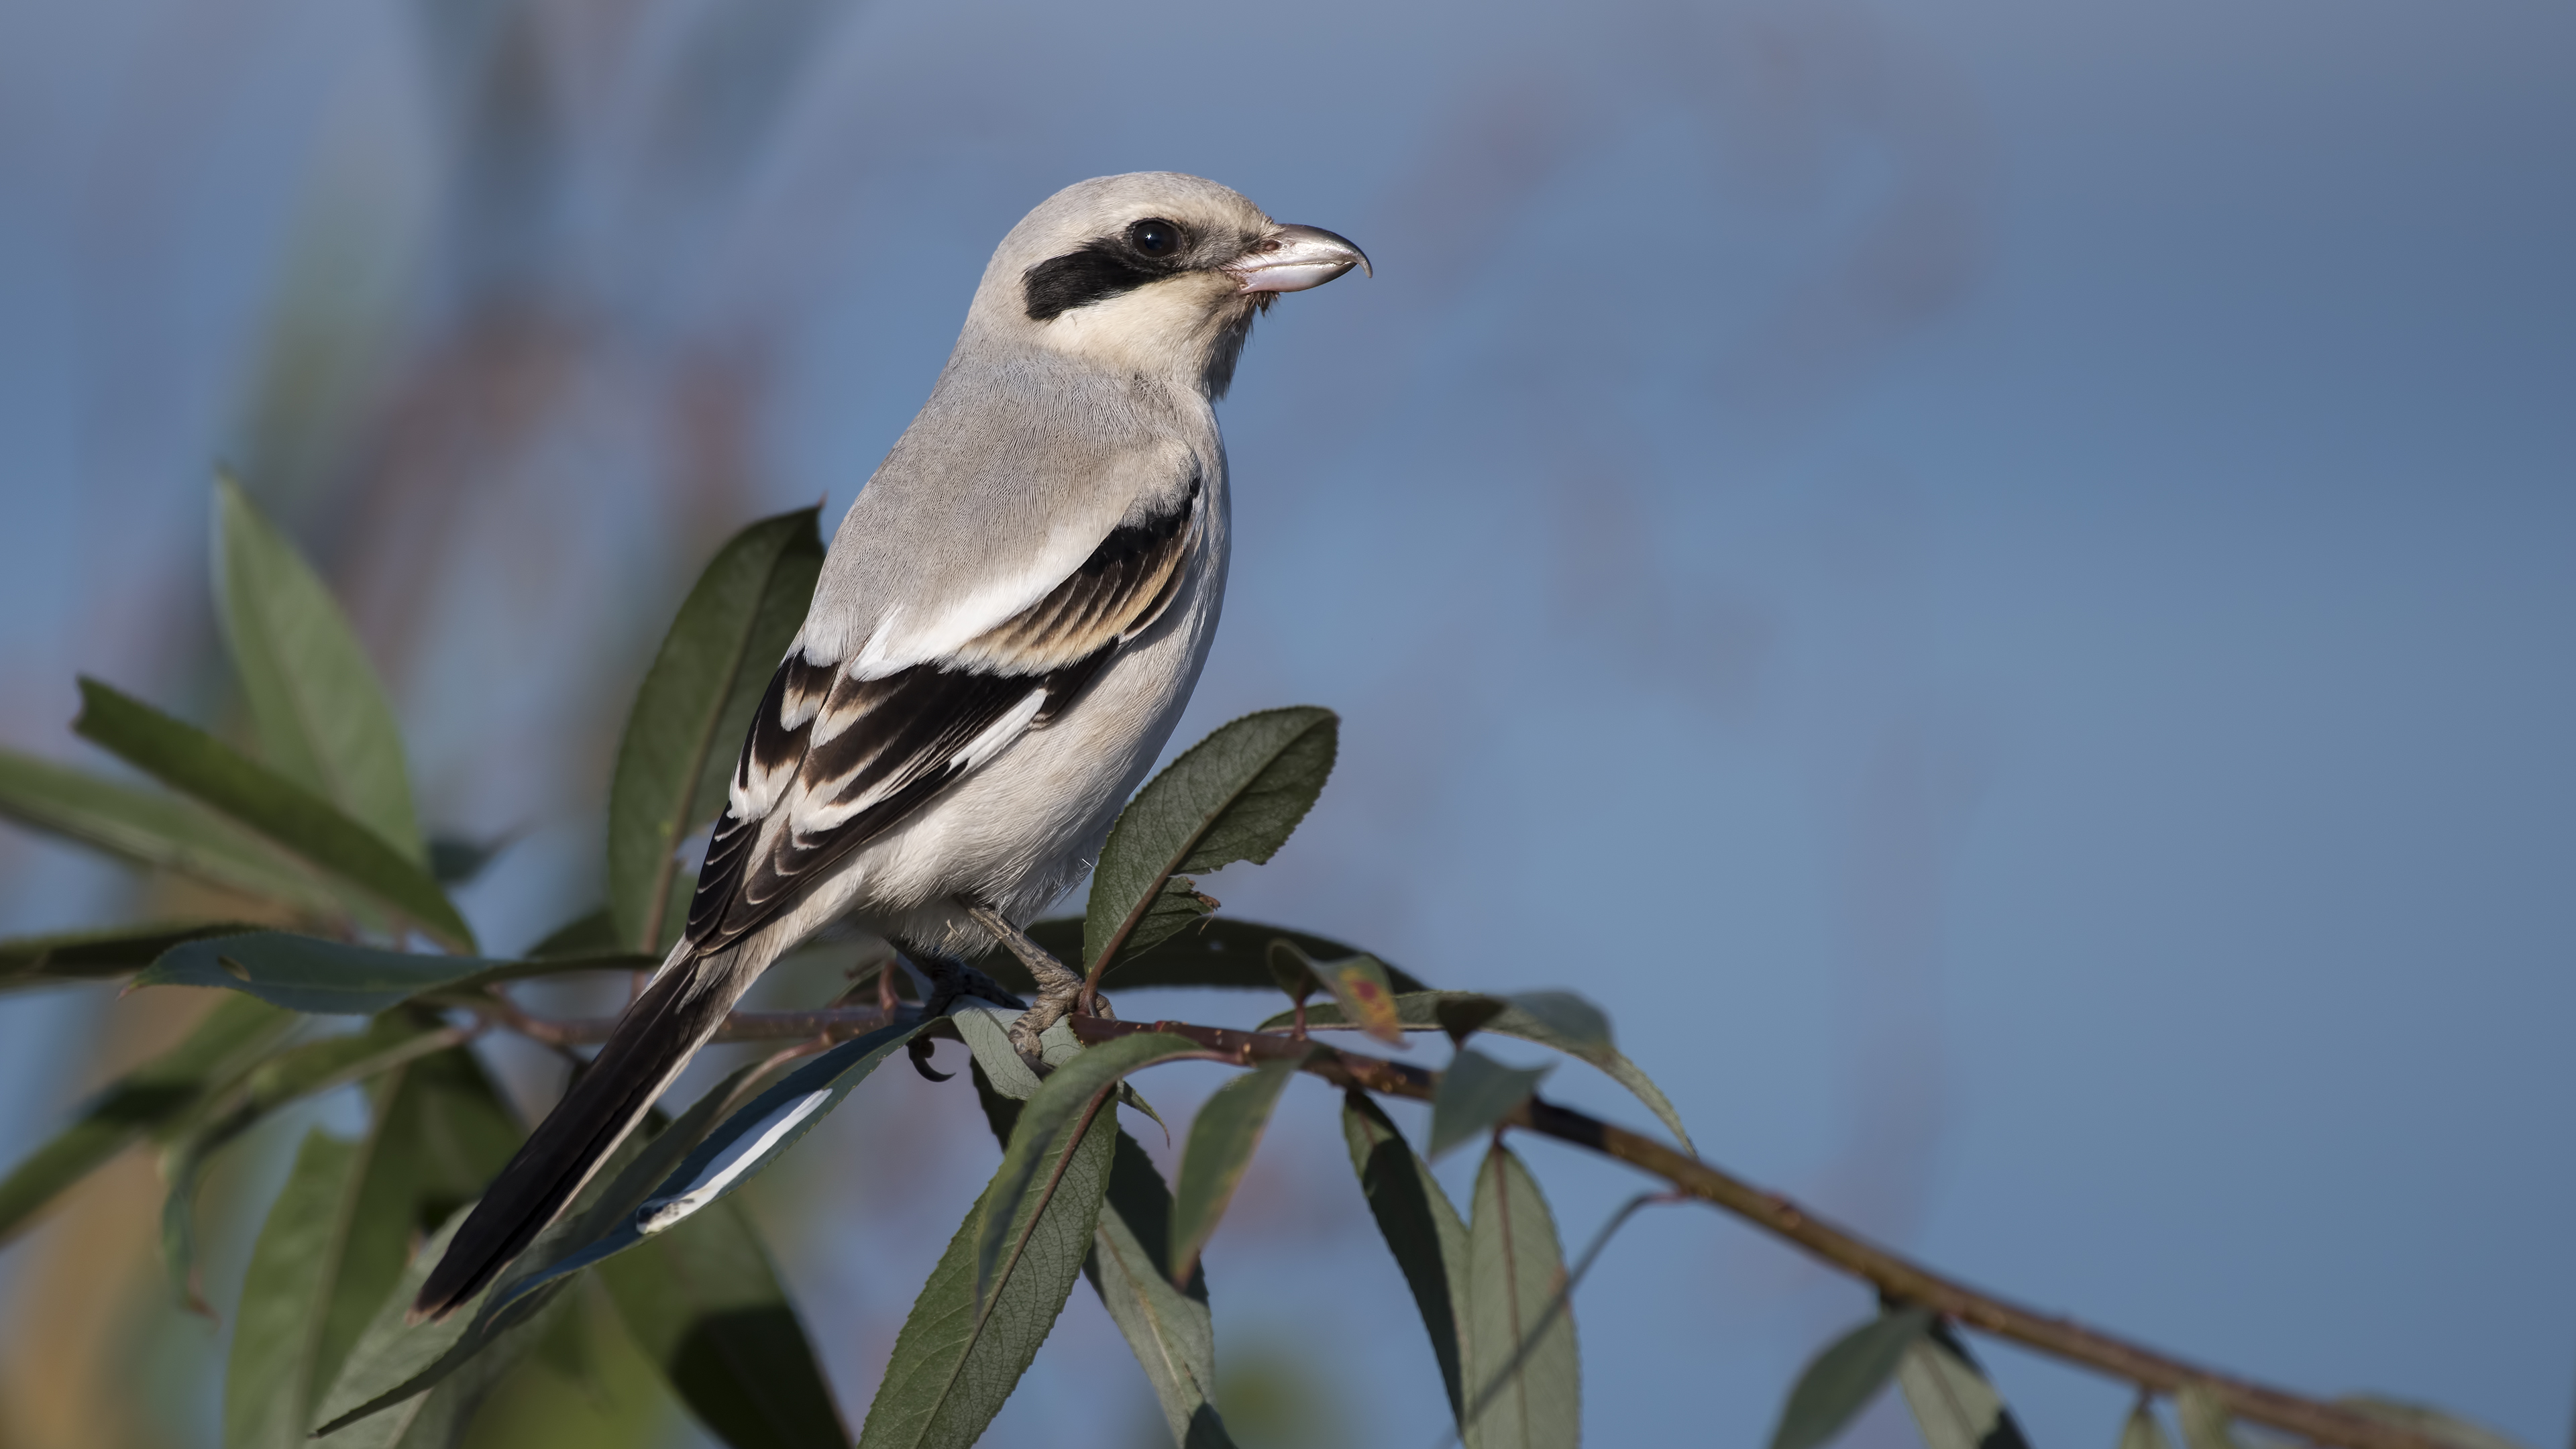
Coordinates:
(1892, 1274)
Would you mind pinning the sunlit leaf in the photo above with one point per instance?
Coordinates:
(1513, 1268)
(1953, 1403)
(2141, 1431)
(1420, 1226)
(1840, 1381)
(1217, 951)
(1223, 1138)
(157, 831)
(195, 763)
(233, 1037)
(693, 711)
(1235, 795)
(1458, 1011)
(2204, 1419)
(98, 955)
(320, 711)
(1475, 1092)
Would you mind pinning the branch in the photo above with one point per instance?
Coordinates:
(1896, 1276)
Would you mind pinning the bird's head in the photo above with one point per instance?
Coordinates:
(1152, 272)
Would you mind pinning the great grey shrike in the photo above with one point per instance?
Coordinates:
(1006, 629)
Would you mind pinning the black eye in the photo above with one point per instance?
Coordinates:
(1155, 237)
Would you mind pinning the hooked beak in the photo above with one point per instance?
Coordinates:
(1294, 258)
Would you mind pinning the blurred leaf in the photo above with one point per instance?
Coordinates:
(152, 1096)
(454, 862)
(1420, 1226)
(1218, 951)
(693, 711)
(1223, 1138)
(2204, 1419)
(156, 831)
(1475, 1092)
(1065, 1104)
(1446, 1010)
(1953, 1404)
(269, 1384)
(1513, 1268)
(2427, 1420)
(335, 978)
(2142, 1431)
(1169, 1328)
(98, 955)
(189, 760)
(955, 1363)
(320, 711)
(1233, 796)
(591, 935)
(703, 1302)
(1840, 1381)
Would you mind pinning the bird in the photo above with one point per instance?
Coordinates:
(1008, 624)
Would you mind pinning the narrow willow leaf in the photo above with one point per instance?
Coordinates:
(320, 710)
(394, 1350)
(2141, 1431)
(334, 978)
(2424, 1419)
(591, 935)
(1218, 951)
(1475, 1092)
(455, 862)
(1840, 1381)
(269, 1382)
(2204, 1419)
(1063, 1107)
(1460, 1011)
(98, 955)
(1513, 1268)
(195, 763)
(1235, 795)
(1223, 1138)
(1169, 1328)
(157, 831)
(693, 711)
(704, 1303)
(1953, 1403)
(1420, 1226)
(148, 1099)
(961, 1353)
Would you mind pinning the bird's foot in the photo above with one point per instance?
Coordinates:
(1059, 985)
(955, 981)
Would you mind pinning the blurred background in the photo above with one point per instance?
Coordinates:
(1994, 579)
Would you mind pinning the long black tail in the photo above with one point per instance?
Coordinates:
(660, 1031)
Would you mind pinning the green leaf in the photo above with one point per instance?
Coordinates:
(1840, 1381)
(1218, 951)
(1952, 1402)
(1063, 1107)
(269, 1384)
(156, 831)
(151, 1097)
(955, 1361)
(1169, 1328)
(693, 712)
(98, 955)
(189, 760)
(2142, 1431)
(591, 935)
(2204, 1419)
(704, 1302)
(2427, 1420)
(1420, 1226)
(1513, 1268)
(310, 974)
(1461, 1011)
(1475, 1093)
(320, 711)
(1233, 796)
(1223, 1138)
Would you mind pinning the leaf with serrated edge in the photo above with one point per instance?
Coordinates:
(1474, 1093)
(1420, 1225)
(693, 710)
(1513, 1267)
(1423, 1010)
(68, 956)
(158, 831)
(1953, 1404)
(1217, 951)
(1840, 1381)
(2141, 1431)
(1235, 795)
(195, 763)
(319, 709)
(1223, 1138)
(148, 1099)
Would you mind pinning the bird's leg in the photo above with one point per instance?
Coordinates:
(1059, 986)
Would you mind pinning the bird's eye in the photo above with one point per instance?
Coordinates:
(1154, 237)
